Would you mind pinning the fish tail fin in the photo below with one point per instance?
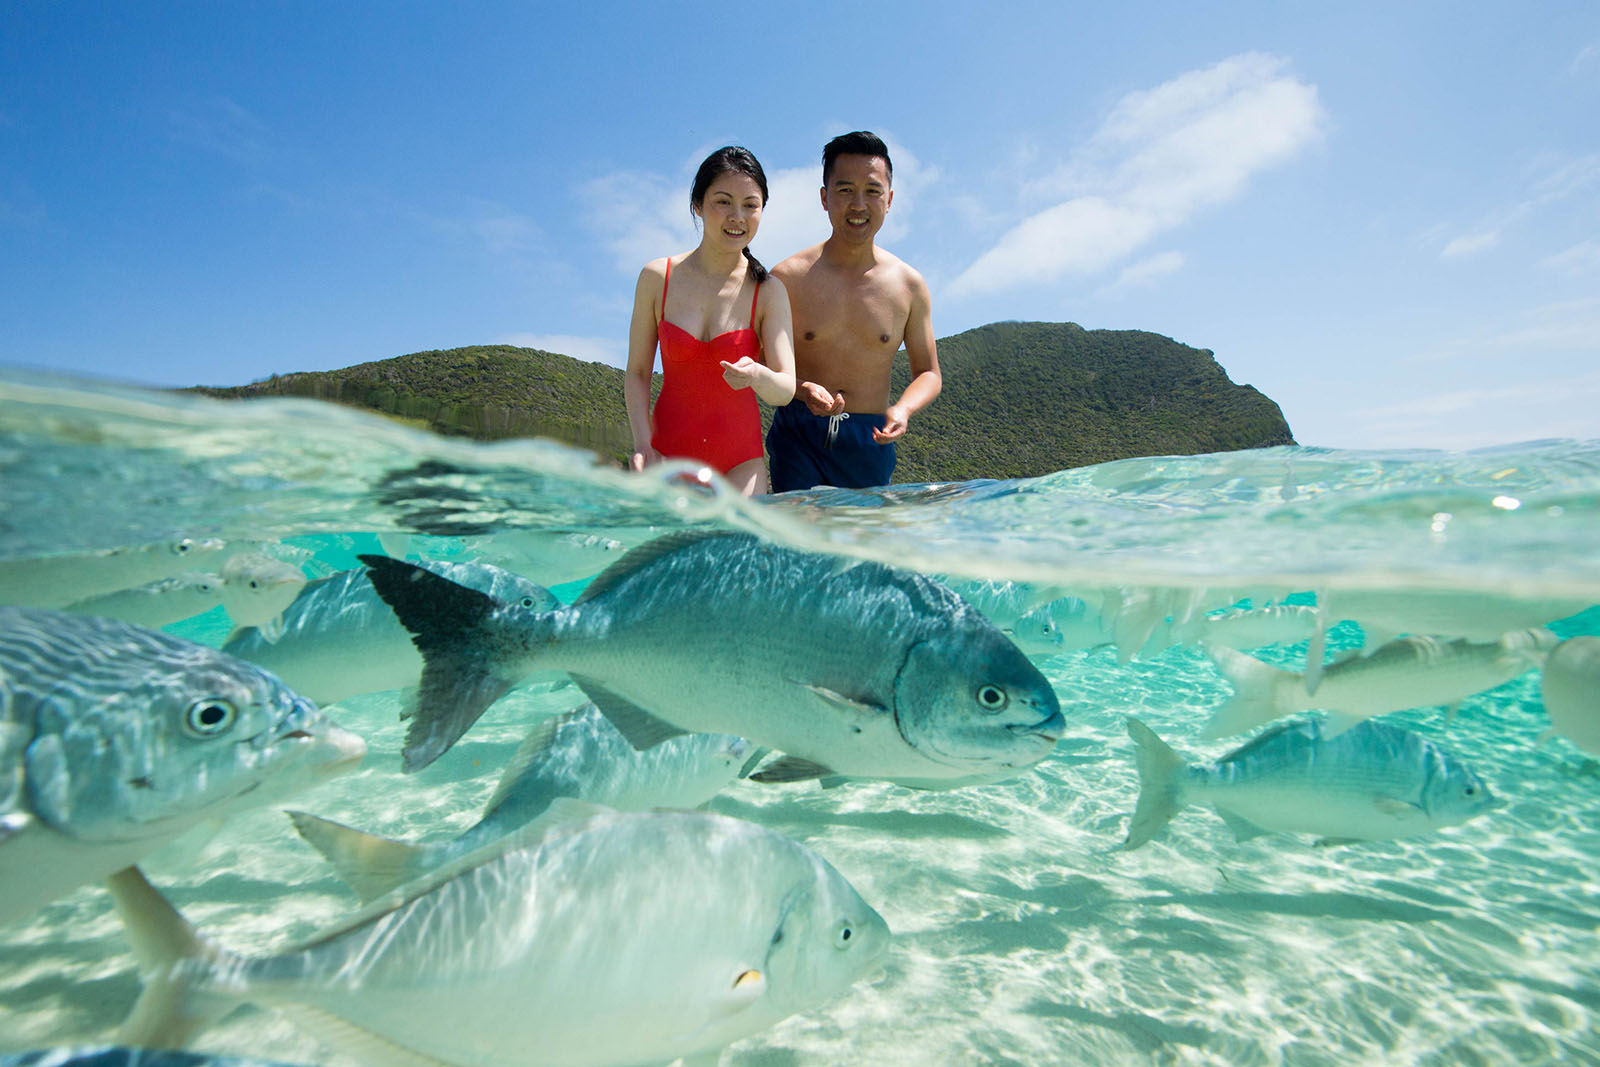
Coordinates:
(1255, 694)
(165, 1016)
(369, 864)
(1160, 785)
(450, 625)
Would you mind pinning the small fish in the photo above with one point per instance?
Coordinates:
(158, 603)
(56, 581)
(579, 755)
(1063, 625)
(555, 556)
(116, 740)
(338, 638)
(866, 671)
(1385, 614)
(609, 938)
(1412, 672)
(1570, 686)
(256, 588)
(1371, 783)
(1243, 629)
(107, 1056)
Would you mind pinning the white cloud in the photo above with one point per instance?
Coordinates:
(1477, 417)
(1586, 55)
(608, 350)
(793, 218)
(1579, 260)
(221, 126)
(1145, 271)
(639, 216)
(1470, 244)
(1161, 156)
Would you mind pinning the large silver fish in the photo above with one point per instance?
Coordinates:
(866, 671)
(578, 755)
(618, 938)
(1412, 672)
(1371, 783)
(1570, 686)
(338, 638)
(115, 740)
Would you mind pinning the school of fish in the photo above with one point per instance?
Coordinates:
(593, 915)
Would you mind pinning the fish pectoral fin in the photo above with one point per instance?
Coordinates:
(354, 1039)
(749, 985)
(639, 727)
(369, 864)
(832, 781)
(1243, 829)
(1394, 807)
(702, 1059)
(1337, 722)
(839, 700)
(791, 769)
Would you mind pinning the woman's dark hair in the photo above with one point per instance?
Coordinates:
(859, 143)
(735, 160)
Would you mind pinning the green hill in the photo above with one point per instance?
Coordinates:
(1019, 399)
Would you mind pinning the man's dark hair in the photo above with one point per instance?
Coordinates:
(859, 143)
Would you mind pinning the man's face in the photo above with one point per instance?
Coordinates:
(857, 197)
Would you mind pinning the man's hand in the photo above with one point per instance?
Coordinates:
(894, 424)
(818, 400)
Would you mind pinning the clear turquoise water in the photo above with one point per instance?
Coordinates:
(1022, 936)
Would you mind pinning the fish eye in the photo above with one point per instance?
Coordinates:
(843, 935)
(210, 717)
(528, 602)
(1472, 790)
(182, 546)
(992, 697)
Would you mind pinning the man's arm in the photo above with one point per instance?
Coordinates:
(922, 351)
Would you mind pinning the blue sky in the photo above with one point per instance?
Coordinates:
(1386, 216)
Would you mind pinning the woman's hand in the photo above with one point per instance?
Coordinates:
(642, 458)
(743, 374)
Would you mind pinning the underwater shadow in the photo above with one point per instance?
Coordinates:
(892, 823)
(1306, 906)
(1146, 1032)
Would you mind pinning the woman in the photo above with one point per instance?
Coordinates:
(723, 327)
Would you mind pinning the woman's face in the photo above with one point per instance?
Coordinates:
(731, 210)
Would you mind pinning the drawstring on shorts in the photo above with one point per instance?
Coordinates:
(833, 427)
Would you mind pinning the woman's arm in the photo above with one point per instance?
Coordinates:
(642, 363)
(775, 381)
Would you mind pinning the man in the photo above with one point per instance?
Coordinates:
(854, 305)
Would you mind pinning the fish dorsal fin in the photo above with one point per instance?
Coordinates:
(538, 741)
(791, 769)
(643, 556)
(564, 815)
(1243, 829)
(639, 727)
(369, 864)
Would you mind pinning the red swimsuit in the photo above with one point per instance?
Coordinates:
(699, 415)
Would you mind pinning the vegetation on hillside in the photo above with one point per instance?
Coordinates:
(1020, 399)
